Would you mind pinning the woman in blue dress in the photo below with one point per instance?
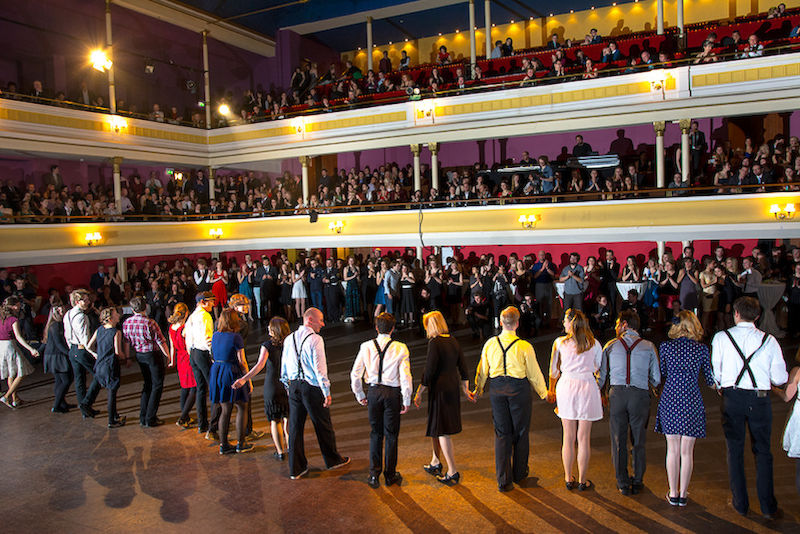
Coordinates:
(352, 298)
(229, 365)
(380, 295)
(110, 350)
(681, 415)
(245, 277)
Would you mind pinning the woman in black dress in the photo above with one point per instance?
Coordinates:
(433, 281)
(408, 304)
(455, 291)
(445, 373)
(369, 289)
(56, 357)
(285, 278)
(110, 350)
(276, 400)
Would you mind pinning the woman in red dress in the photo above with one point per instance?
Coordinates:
(178, 355)
(219, 283)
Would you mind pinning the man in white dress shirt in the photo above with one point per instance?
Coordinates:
(198, 331)
(384, 364)
(304, 370)
(747, 363)
(77, 331)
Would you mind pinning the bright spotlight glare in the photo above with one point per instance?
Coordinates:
(99, 60)
(224, 109)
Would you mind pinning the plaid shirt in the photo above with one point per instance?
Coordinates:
(143, 333)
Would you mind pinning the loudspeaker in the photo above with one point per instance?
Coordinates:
(313, 216)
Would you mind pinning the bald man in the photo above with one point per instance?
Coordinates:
(304, 370)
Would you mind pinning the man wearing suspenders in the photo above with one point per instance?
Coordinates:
(746, 363)
(630, 365)
(77, 332)
(384, 365)
(304, 370)
(509, 363)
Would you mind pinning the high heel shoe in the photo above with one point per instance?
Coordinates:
(434, 470)
(449, 480)
(583, 486)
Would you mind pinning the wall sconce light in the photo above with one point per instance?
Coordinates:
(93, 238)
(100, 60)
(117, 123)
(299, 126)
(781, 214)
(529, 221)
(216, 233)
(336, 226)
(658, 82)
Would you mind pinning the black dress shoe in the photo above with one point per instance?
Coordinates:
(636, 488)
(449, 480)
(625, 490)
(118, 422)
(396, 478)
(87, 412)
(373, 482)
(154, 423)
(227, 448)
(433, 469)
(59, 410)
(69, 406)
(506, 488)
(777, 514)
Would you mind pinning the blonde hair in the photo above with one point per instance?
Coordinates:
(509, 316)
(435, 324)
(688, 326)
(179, 313)
(105, 314)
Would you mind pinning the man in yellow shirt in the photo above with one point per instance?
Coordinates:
(509, 363)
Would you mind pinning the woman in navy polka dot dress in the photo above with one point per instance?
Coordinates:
(681, 416)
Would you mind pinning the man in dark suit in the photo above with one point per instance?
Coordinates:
(697, 147)
(53, 178)
(553, 44)
(98, 279)
(157, 301)
(608, 280)
(581, 149)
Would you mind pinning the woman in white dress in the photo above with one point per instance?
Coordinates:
(791, 435)
(574, 362)
(299, 293)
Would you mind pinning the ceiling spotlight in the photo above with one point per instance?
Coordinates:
(458, 31)
(512, 21)
(359, 48)
(100, 60)
(406, 39)
(224, 109)
(149, 67)
(440, 34)
(572, 11)
(390, 42)
(551, 14)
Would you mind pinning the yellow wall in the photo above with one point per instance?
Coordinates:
(610, 21)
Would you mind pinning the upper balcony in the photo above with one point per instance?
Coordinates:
(746, 86)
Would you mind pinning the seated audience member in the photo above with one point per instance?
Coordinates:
(405, 61)
(601, 317)
(529, 80)
(706, 55)
(497, 51)
(664, 60)
(615, 54)
(732, 42)
(595, 37)
(477, 313)
(645, 59)
(678, 183)
(508, 47)
(753, 47)
(590, 71)
(444, 56)
(553, 44)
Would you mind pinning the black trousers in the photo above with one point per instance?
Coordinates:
(200, 360)
(152, 367)
(479, 326)
(511, 414)
(743, 410)
(62, 381)
(383, 407)
(306, 400)
(332, 306)
(629, 412)
(82, 362)
(112, 404)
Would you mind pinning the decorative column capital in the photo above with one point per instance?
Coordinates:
(116, 161)
(434, 148)
(369, 20)
(685, 124)
(415, 149)
(660, 127)
(304, 160)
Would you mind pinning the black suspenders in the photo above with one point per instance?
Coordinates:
(381, 354)
(298, 350)
(505, 351)
(746, 360)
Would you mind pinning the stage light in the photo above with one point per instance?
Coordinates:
(100, 60)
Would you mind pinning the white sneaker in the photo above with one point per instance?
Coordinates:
(6, 402)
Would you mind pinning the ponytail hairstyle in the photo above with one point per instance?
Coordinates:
(179, 314)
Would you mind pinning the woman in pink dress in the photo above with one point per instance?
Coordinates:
(574, 361)
(178, 355)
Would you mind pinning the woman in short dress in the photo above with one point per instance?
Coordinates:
(227, 347)
(13, 365)
(574, 362)
(299, 293)
(219, 284)
(56, 357)
(276, 400)
(110, 350)
(179, 356)
(380, 295)
(245, 277)
(791, 434)
(681, 416)
(446, 375)
(285, 278)
(407, 302)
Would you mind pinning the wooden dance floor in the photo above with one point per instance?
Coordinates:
(62, 474)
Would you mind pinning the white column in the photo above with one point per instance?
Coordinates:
(206, 80)
(434, 148)
(661, 246)
(211, 183)
(487, 8)
(369, 43)
(660, 126)
(472, 52)
(304, 165)
(660, 17)
(417, 178)
(685, 244)
(680, 18)
(112, 93)
(685, 164)
(419, 256)
(122, 268)
(117, 182)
